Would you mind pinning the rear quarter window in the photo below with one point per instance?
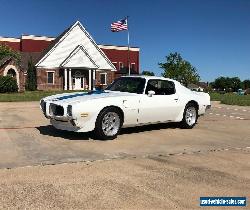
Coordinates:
(161, 87)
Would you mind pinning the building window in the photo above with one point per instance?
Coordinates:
(115, 64)
(103, 78)
(50, 77)
(120, 65)
(133, 66)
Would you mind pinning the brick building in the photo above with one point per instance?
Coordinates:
(72, 61)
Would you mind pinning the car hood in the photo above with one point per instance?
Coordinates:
(84, 96)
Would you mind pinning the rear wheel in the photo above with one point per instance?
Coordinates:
(190, 116)
(108, 123)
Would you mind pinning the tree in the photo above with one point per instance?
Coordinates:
(6, 51)
(179, 69)
(228, 84)
(235, 83)
(221, 83)
(31, 76)
(148, 73)
(246, 84)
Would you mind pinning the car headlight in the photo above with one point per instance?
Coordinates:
(69, 110)
(43, 105)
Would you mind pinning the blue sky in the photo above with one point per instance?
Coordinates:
(214, 35)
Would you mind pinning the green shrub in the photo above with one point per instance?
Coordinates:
(231, 99)
(8, 84)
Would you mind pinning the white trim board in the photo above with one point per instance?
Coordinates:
(33, 37)
(113, 47)
(9, 39)
(78, 58)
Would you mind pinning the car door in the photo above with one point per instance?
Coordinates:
(163, 106)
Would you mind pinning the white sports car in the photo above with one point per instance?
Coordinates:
(128, 101)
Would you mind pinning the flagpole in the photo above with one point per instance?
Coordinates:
(128, 50)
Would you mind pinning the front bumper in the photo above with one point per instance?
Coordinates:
(64, 125)
(77, 123)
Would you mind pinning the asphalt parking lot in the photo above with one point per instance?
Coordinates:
(159, 166)
(27, 138)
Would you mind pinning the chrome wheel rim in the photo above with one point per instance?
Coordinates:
(110, 123)
(190, 116)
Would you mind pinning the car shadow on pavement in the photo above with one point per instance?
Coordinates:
(49, 130)
(151, 127)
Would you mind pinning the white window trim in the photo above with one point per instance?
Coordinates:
(53, 77)
(131, 65)
(120, 65)
(105, 78)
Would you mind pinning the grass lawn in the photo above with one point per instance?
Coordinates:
(231, 99)
(27, 95)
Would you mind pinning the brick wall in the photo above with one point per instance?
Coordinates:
(42, 83)
(110, 77)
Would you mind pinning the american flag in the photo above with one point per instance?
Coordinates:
(119, 25)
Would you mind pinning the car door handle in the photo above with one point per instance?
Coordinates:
(176, 99)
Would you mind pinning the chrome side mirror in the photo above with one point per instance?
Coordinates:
(151, 93)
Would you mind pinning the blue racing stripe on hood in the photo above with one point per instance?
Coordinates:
(80, 94)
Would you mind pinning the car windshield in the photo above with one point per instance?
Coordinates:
(128, 84)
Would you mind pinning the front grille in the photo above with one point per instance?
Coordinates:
(56, 110)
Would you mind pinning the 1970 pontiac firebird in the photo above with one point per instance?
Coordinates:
(128, 101)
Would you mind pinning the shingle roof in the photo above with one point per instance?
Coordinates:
(4, 60)
(53, 43)
(26, 56)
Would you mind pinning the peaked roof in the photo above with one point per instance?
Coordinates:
(79, 58)
(67, 42)
(4, 60)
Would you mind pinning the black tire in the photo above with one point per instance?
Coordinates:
(185, 122)
(99, 132)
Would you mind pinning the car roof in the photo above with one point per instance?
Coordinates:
(150, 77)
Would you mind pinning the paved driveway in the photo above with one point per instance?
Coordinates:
(27, 138)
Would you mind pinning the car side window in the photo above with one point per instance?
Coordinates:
(161, 87)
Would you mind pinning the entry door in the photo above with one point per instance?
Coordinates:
(163, 106)
(79, 83)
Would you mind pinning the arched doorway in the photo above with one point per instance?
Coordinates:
(12, 71)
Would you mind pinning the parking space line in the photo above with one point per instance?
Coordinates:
(236, 109)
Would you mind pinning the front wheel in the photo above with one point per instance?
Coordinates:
(108, 123)
(190, 116)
